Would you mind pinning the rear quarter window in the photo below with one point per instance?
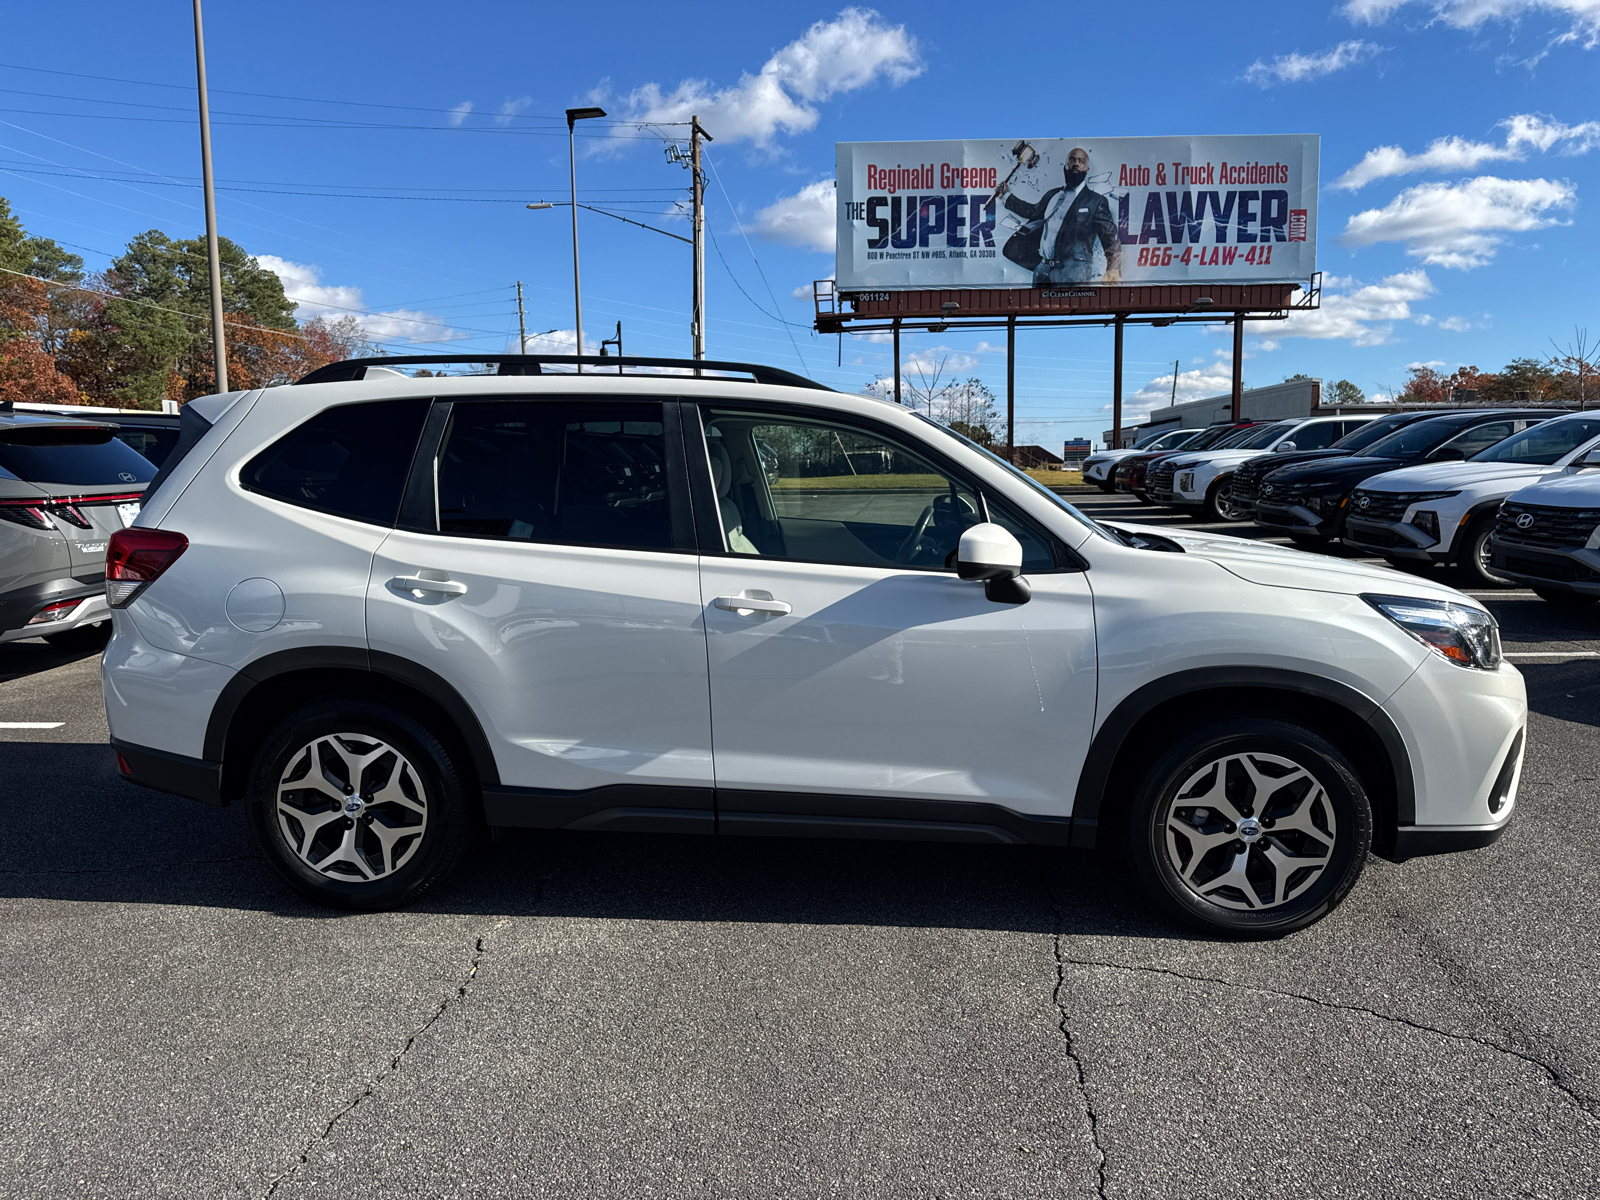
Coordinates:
(348, 461)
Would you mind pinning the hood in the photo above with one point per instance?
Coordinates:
(1580, 490)
(1443, 476)
(1228, 458)
(1293, 458)
(1275, 566)
(1344, 472)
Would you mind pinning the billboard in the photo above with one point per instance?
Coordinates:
(1076, 212)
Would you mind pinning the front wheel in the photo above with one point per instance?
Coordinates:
(1564, 599)
(1476, 558)
(357, 805)
(1250, 827)
(1219, 504)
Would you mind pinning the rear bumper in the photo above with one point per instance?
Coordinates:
(162, 771)
(1418, 841)
(18, 607)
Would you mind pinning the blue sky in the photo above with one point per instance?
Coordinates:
(379, 157)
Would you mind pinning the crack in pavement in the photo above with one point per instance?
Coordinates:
(1589, 1105)
(394, 1065)
(1066, 1034)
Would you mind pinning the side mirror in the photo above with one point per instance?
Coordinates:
(988, 553)
(1284, 447)
(1448, 454)
(1588, 462)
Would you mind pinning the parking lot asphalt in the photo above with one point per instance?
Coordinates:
(610, 1015)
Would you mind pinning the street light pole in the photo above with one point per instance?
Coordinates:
(219, 348)
(574, 115)
(697, 325)
(522, 322)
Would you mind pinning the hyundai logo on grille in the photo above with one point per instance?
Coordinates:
(1266, 488)
(1364, 501)
(1525, 521)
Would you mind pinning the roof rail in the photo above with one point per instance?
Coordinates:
(532, 364)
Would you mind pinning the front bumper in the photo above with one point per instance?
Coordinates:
(1177, 499)
(1574, 570)
(1391, 539)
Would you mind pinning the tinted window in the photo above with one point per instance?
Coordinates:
(824, 492)
(1318, 436)
(1416, 439)
(1367, 433)
(1480, 437)
(72, 458)
(1544, 443)
(152, 443)
(573, 473)
(349, 461)
(1262, 436)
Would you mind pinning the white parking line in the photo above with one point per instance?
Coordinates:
(31, 724)
(1552, 654)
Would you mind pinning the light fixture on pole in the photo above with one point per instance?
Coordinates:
(574, 115)
(219, 348)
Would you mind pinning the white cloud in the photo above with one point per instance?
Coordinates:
(1455, 324)
(1458, 225)
(1210, 380)
(459, 113)
(1297, 67)
(511, 108)
(1459, 154)
(1364, 316)
(1581, 17)
(805, 290)
(1433, 364)
(805, 219)
(302, 283)
(843, 55)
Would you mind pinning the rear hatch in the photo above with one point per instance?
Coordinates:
(91, 482)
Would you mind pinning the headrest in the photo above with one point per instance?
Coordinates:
(721, 468)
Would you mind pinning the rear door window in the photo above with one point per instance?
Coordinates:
(349, 461)
(575, 473)
(1480, 437)
(1317, 436)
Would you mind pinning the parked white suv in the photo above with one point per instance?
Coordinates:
(383, 612)
(1097, 468)
(1203, 481)
(1445, 511)
(1548, 536)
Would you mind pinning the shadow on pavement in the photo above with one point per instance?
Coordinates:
(76, 831)
(35, 656)
(1567, 691)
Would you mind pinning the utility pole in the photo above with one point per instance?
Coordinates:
(219, 348)
(1116, 384)
(697, 321)
(574, 115)
(1011, 390)
(522, 321)
(1175, 381)
(1238, 365)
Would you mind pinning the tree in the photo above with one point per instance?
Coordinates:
(1424, 385)
(970, 409)
(1579, 362)
(1296, 375)
(1521, 381)
(27, 362)
(1345, 392)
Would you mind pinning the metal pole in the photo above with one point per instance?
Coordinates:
(1238, 363)
(1011, 389)
(1175, 363)
(522, 322)
(219, 348)
(1116, 384)
(697, 320)
(577, 292)
(897, 360)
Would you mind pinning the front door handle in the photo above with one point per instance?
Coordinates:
(417, 583)
(750, 604)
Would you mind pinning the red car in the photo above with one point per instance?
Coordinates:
(1130, 472)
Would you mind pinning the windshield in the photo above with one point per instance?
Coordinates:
(1207, 438)
(1264, 435)
(1371, 433)
(78, 463)
(1170, 440)
(1416, 439)
(1542, 444)
(1087, 522)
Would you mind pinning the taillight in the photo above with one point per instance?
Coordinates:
(136, 558)
(59, 611)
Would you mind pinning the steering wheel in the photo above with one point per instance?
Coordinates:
(936, 515)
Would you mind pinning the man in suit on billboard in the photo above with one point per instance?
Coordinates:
(1057, 243)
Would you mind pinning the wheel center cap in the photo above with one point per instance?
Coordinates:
(1249, 830)
(354, 805)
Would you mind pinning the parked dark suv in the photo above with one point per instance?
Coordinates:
(65, 487)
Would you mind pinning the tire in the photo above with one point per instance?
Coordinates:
(1217, 505)
(1472, 555)
(1215, 777)
(363, 860)
(1143, 497)
(90, 638)
(1564, 599)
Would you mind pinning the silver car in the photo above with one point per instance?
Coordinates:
(66, 486)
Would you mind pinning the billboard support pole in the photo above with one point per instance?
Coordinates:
(1011, 389)
(1116, 385)
(1238, 363)
(897, 360)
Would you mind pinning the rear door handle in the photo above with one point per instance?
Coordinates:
(749, 604)
(416, 583)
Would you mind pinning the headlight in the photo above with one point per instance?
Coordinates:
(1314, 503)
(1428, 521)
(1468, 637)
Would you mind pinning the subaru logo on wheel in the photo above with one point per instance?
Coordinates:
(1525, 521)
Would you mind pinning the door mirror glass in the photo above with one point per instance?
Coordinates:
(1284, 447)
(987, 552)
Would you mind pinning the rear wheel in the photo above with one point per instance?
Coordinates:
(83, 638)
(356, 804)
(1474, 556)
(1564, 599)
(1250, 827)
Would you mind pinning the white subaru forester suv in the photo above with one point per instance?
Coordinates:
(385, 612)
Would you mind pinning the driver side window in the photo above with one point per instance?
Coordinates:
(802, 489)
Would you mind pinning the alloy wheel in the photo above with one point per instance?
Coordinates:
(351, 807)
(1250, 831)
